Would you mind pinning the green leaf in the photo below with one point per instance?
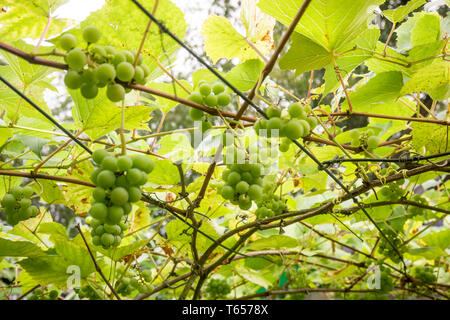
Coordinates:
(429, 253)
(329, 23)
(304, 55)
(51, 192)
(176, 146)
(124, 250)
(9, 248)
(433, 79)
(429, 138)
(245, 75)
(35, 144)
(400, 13)
(28, 18)
(164, 104)
(273, 242)
(164, 173)
(421, 28)
(253, 276)
(439, 239)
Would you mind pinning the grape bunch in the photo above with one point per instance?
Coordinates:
(386, 249)
(291, 126)
(297, 279)
(118, 182)
(243, 183)
(386, 284)
(100, 67)
(44, 294)
(392, 191)
(424, 274)
(270, 205)
(217, 288)
(209, 94)
(129, 281)
(17, 205)
(368, 139)
(413, 210)
(88, 293)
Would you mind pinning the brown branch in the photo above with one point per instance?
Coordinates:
(305, 290)
(273, 59)
(99, 270)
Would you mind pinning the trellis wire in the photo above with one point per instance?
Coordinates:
(246, 99)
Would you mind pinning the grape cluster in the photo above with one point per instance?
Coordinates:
(270, 205)
(17, 205)
(118, 182)
(44, 294)
(295, 124)
(297, 279)
(130, 282)
(386, 249)
(217, 288)
(100, 67)
(89, 293)
(243, 183)
(424, 274)
(386, 284)
(392, 191)
(413, 210)
(368, 139)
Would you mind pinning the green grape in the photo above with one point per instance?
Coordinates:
(355, 143)
(138, 75)
(73, 80)
(211, 100)
(294, 129)
(98, 54)
(225, 175)
(134, 194)
(99, 194)
(99, 211)
(89, 91)
(124, 163)
(354, 134)
(91, 34)
(233, 178)
(115, 92)
(99, 155)
(296, 110)
(140, 59)
(113, 229)
(17, 192)
(119, 57)
(129, 57)
(273, 113)
(370, 132)
(255, 192)
(218, 88)
(119, 196)
(147, 275)
(247, 177)
(307, 108)
(24, 203)
(306, 127)
(312, 122)
(107, 239)
(204, 89)
(27, 191)
(9, 201)
(196, 97)
(109, 163)
(143, 163)
(115, 214)
(134, 176)
(227, 192)
(110, 51)
(284, 147)
(244, 202)
(125, 71)
(206, 125)
(89, 76)
(242, 187)
(146, 70)
(373, 142)
(94, 223)
(53, 294)
(274, 123)
(68, 41)
(105, 72)
(106, 179)
(76, 59)
(223, 99)
(196, 114)
(127, 208)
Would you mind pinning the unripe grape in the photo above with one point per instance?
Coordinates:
(206, 125)
(255, 192)
(138, 74)
(99, 194)
(227, 192)
(143, 163)
(119, 196)
(134, 194)
(94, 223)
(125, 71)
(73, 80)
(99, 155)
(109, 163)
(9, 201)
(296, 110)
(293, 129)
(27, 191)
(98, 54)
(274, 123)
(118, 58)
(247, 177)
(273, 113)
(211, 100)
(106, 179)
(370, 132)
(355, 143)
(147, 275)
(146, 70)
(96, 241)
(284, 147)
(233, 178)
(99, 211)
(204, 89)
(223, 99)
(91, 34)
(68, 41)
(373, 142)
(196, 97)
(17, 192)
(244, 202)
(124, 163)
(312, 122)
(89, 76)
(89, 91)
(76, 59)
(107, 239)
(196, 114)
(242, 187)
(115, 92)
(354, 134)
(134, 176)
(115, 214)
(105, 72)
(218, 88)
(306, 127)
(117, 240)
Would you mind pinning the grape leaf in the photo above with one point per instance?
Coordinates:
(400, 13)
